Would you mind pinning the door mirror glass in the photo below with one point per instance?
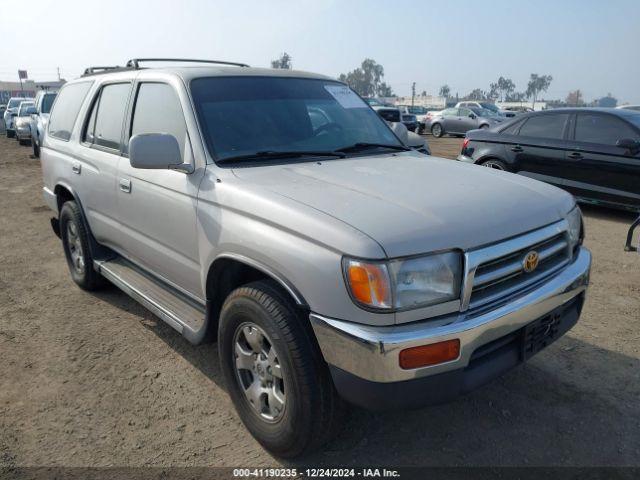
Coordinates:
(472, 116)
(628, 144)
(154, 151)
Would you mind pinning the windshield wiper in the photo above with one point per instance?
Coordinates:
(274, 155)
(360, 146)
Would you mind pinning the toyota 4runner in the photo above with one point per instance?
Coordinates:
(275, 211)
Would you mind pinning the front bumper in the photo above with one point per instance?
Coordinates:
(370, 355)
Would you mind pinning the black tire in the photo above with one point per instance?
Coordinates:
(10, 134)
(437, 130)
(36, 149)
(24, 143)
(312, 410)
(82, 273)
(494, 164)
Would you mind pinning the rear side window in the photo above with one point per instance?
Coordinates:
(158, 110)
(107, 116)
(63, 116)
(602, 129)
(545, 126)
(47, 102)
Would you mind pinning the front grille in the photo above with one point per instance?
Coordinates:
(504, 276)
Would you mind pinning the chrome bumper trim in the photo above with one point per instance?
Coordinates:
(372, 352)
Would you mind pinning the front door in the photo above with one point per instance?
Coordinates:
(600, 170)
(158, 208)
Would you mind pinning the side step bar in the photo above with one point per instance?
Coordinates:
(182, 313)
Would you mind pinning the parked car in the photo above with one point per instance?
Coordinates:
(10, 113)
(410, 121)
(482, 104)
(516, 110)
(332, 263)
(393, 116)
(22, 122)
(43, 103)
(593, 153)
(458, 121)
(630, 107)
(419, 112)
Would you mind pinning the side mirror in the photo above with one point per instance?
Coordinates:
(472, 116)
(629, 144)
(158, 151)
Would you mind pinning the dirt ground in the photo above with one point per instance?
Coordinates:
(97, 380)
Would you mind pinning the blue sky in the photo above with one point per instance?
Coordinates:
(585, 44)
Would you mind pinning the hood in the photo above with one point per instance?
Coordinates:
(410, 203)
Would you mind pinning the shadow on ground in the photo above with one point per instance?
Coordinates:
(577, 400)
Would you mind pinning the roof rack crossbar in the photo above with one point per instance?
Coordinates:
(135, 62)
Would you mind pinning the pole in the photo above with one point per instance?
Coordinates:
(413, 94)
(58, 70)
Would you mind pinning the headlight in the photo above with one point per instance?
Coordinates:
(405, 283)
(574, 219)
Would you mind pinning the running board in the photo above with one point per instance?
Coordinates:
(176, 309)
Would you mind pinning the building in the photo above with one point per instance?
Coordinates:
(427, 101)
(28, 88)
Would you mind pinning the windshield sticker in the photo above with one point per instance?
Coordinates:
(345, 96)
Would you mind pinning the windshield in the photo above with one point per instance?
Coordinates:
(248, 115)
(23, 108)
(489, 106)
(47, 101)
(15, 102)
(417, 110)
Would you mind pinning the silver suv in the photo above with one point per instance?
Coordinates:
(275, 211)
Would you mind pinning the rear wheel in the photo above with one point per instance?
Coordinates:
(437, 130)
(274, 371)
(75, 242)
(495, 164)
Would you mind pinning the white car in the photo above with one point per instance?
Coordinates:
(630, 107)
(10, 114)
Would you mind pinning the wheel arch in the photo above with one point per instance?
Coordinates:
(229, 271)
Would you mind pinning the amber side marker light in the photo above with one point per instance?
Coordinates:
(425, 355)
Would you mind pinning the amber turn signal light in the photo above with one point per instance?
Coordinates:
(425, 355)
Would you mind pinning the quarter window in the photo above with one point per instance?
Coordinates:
(545, 126)
(602, 129)
(63, 116)
(158, 110)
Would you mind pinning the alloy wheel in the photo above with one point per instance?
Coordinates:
(259, 371)
(75, 247)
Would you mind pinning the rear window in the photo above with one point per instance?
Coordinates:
(63, 116)
(545, 126)
(391, 115)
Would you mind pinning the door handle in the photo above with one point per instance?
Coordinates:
(517, 149)
(575, 155)
(125, 185)
(76, 168)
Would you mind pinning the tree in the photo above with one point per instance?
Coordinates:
(493, 91)
(367, 80)
(574, 99)
(506, 87)
(424, 93)
(537, 84)
(477, 94)
(609, 101)
(516, 97)
(445, 91)
(283, 62)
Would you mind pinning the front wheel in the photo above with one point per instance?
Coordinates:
(274, 371)
(36, 148)
(437, 131)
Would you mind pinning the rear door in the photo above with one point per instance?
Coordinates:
(450, 120)
(540, 149)
(157, 208)
(600, 170)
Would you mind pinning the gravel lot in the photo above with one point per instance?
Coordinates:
(96, 380)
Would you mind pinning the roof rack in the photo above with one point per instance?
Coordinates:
(135, 62)
(99, 70)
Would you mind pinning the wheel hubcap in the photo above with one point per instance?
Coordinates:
(494, 165)
(259, 372)
(437, 130)
(75, 247)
